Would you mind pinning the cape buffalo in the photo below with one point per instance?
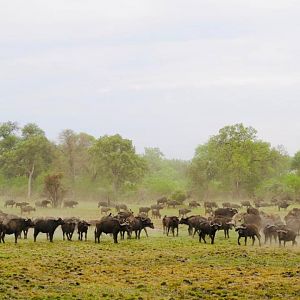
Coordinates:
(287, 236)
(248, 230)
(110, 225)
(82, 228)
(208, 228)
(14, 226)
(193, 222)
(70, 203)
(47, 226)
(10, 203)
(170, 223)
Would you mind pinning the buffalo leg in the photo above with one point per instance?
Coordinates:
(115, 235)
(177, 231)
(195, 231)
(239, 240)
(212, 237)
(245, 241)
(16, 236)
(168, 231)
(253, 240)
(146, 232)
(85, 236)
(51, 236)
(258, 237)
(35, 234)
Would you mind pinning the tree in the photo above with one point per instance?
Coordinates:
(8, 136)
(295, 165)
(30, 155)
(116, 161)
(154, 158)
(30, 130)
(53, 189)
(235, 158)
(163, 176)
(74, 148)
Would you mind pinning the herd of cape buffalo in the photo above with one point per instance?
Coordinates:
(248, 224)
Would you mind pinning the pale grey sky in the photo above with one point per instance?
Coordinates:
(164, 73)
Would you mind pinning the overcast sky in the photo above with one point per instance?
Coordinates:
(165, 74)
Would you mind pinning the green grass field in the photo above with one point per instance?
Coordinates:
(157, 267)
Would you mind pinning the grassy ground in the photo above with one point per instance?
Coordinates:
(157, 267)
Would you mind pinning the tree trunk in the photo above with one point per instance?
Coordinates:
(30, 182)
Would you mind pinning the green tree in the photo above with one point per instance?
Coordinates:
(235, 158)
(30, 130)
(295, 165)
(8, 136)
(116, 161)
(164, 176)
(30, 155)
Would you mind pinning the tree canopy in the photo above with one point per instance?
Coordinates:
(116, 161)
(236, 159)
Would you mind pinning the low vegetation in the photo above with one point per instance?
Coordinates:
(157, 267)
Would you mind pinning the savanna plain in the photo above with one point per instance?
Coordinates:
(157, 267)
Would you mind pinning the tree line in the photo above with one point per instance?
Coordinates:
(232, 163)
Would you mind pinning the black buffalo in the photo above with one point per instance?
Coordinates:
(156, 214)
(162, 201)
(110, 225)
(120, 207)
(70, 203)
(10, 203)
(144, 210)
(193, 223)
(14, 226)
(47, 226)
(183, 211)
(102, 204)
(248, 230)
(137, 224)
(286, 236)
(43, 203)
(82, 228)
(208, 228)
(270, 232)
(225, 223)
(225, 212)
(170, 223)
(68, 228)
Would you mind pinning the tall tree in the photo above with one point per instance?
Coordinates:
(30, 155)
(296, 162)
(8, 136)
(116, 161)
(235, 158)
(74, 148)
